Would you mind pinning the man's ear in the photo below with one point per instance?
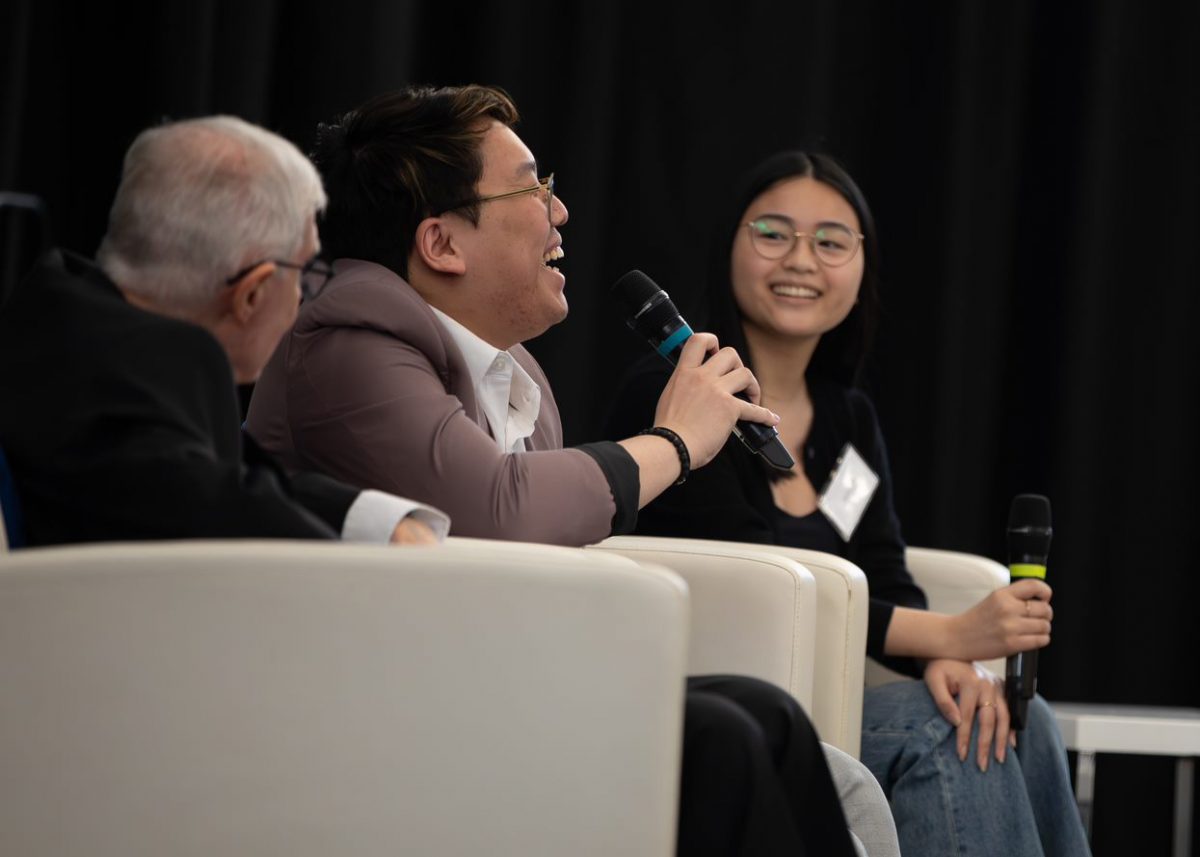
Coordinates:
(437, 246)
(247, 294)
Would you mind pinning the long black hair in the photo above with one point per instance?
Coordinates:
(842, 352)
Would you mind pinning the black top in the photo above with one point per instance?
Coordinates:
(730, 499)
(123, 424)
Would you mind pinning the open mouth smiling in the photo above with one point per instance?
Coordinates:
(792, 290)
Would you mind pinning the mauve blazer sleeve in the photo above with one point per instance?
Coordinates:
(369, 388)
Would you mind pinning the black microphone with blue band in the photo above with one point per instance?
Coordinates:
(650, 312)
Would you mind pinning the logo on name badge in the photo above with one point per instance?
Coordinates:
(849, 491)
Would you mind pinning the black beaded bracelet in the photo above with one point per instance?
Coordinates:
(685, 460)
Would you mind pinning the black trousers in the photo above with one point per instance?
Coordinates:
(754, 780)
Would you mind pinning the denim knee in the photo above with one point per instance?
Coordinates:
(898, 706)
(1041, 721)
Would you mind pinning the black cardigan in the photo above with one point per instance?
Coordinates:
(730, 499)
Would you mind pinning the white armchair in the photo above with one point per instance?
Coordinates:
(752, 613)
(793, 617)
(746, 617)
(293, 698)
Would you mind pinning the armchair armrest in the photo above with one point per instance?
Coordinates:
(752, 613)
(746, 617)
(842, 612)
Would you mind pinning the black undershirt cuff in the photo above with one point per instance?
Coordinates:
(624, 482)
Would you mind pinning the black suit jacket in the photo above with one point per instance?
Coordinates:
(123, 424)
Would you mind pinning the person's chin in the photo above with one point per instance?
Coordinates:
(557, 277)
(558, 296)
(549, 319)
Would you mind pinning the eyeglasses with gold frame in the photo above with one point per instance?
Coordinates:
(775, 237)
(546, 184)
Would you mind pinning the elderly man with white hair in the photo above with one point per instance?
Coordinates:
(118, 407)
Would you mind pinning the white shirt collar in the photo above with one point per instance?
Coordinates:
(509, 398)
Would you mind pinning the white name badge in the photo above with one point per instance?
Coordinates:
(851, 486)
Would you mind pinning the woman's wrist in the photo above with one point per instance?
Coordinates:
(948, 630)
(937, 636)
(922, 634)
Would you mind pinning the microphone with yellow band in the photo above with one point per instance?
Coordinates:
(1029, 534)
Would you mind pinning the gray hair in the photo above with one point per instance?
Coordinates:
(201, 199)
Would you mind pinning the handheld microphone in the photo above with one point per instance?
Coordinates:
(1029, 534)
(649, 311)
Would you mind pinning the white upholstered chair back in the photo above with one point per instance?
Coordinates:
(284, 698)
(752, 613)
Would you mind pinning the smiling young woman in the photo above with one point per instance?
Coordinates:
(793, 288)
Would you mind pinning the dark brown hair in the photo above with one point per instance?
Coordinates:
(399, 158)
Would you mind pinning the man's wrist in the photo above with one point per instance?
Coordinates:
(681, 450)
(374, 515)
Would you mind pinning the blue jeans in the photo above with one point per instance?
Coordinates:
(944, 807)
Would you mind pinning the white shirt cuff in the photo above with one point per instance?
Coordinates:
(374, 515)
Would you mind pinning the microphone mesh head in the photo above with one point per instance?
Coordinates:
(633, 290)
(1029, 511)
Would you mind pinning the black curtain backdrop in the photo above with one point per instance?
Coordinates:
(1032, 167)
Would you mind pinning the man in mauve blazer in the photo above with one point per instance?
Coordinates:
(371, 387)
(407, 373)
(118, 407)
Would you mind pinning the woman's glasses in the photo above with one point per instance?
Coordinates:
(775, 237)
